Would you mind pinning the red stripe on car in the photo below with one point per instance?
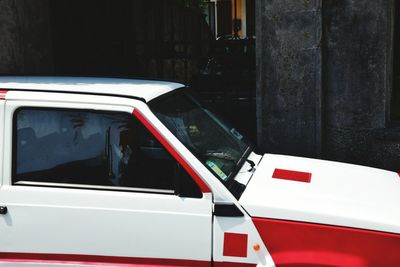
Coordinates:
(3, 94)
(309, 244)
(297, 176)
(91, 260)
(95, 260)
(233, 264)
(203, 186)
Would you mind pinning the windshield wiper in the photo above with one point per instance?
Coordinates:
(240, 162)
(252, 164)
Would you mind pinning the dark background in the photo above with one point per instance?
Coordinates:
(320, 79)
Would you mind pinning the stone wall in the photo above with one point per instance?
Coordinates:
(324, 80)
(25, 44)
(356, 66)
(288, 76)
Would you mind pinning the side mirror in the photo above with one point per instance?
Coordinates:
(227, 210)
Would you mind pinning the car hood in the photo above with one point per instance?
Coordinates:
(337, 193)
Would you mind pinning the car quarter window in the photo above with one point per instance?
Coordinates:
(92, 148)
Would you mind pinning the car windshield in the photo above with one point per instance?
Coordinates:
(221, 148)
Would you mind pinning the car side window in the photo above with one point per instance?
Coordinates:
(95, 148)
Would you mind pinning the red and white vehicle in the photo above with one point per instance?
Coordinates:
(114, 172)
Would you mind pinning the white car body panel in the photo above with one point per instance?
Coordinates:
(96, 221)
(2, 109)
(338, 194)
(123, 87)
(92, 222)
(242, 225)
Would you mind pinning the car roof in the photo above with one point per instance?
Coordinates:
(135, 88)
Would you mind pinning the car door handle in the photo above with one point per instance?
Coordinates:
(3, 210)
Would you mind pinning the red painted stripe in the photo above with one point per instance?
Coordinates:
(233, 264)
(3, 94)
(235, 245)
(292, 175)
(91, 260)
(308, 244)
(203, 186)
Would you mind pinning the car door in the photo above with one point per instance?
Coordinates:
(87, 184)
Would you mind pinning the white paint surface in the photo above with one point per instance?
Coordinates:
(145, 89)
(338, 194)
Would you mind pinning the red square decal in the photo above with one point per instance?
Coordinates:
(235, 245)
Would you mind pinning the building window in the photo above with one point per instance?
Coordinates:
(233, 18)
(395, 105)
(91, 148)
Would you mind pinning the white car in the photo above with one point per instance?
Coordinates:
(116, 172)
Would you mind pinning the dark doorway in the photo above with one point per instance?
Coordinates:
(224, 21)
(160, 39)
(250, 19)
(189, 41)
(227, 79)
